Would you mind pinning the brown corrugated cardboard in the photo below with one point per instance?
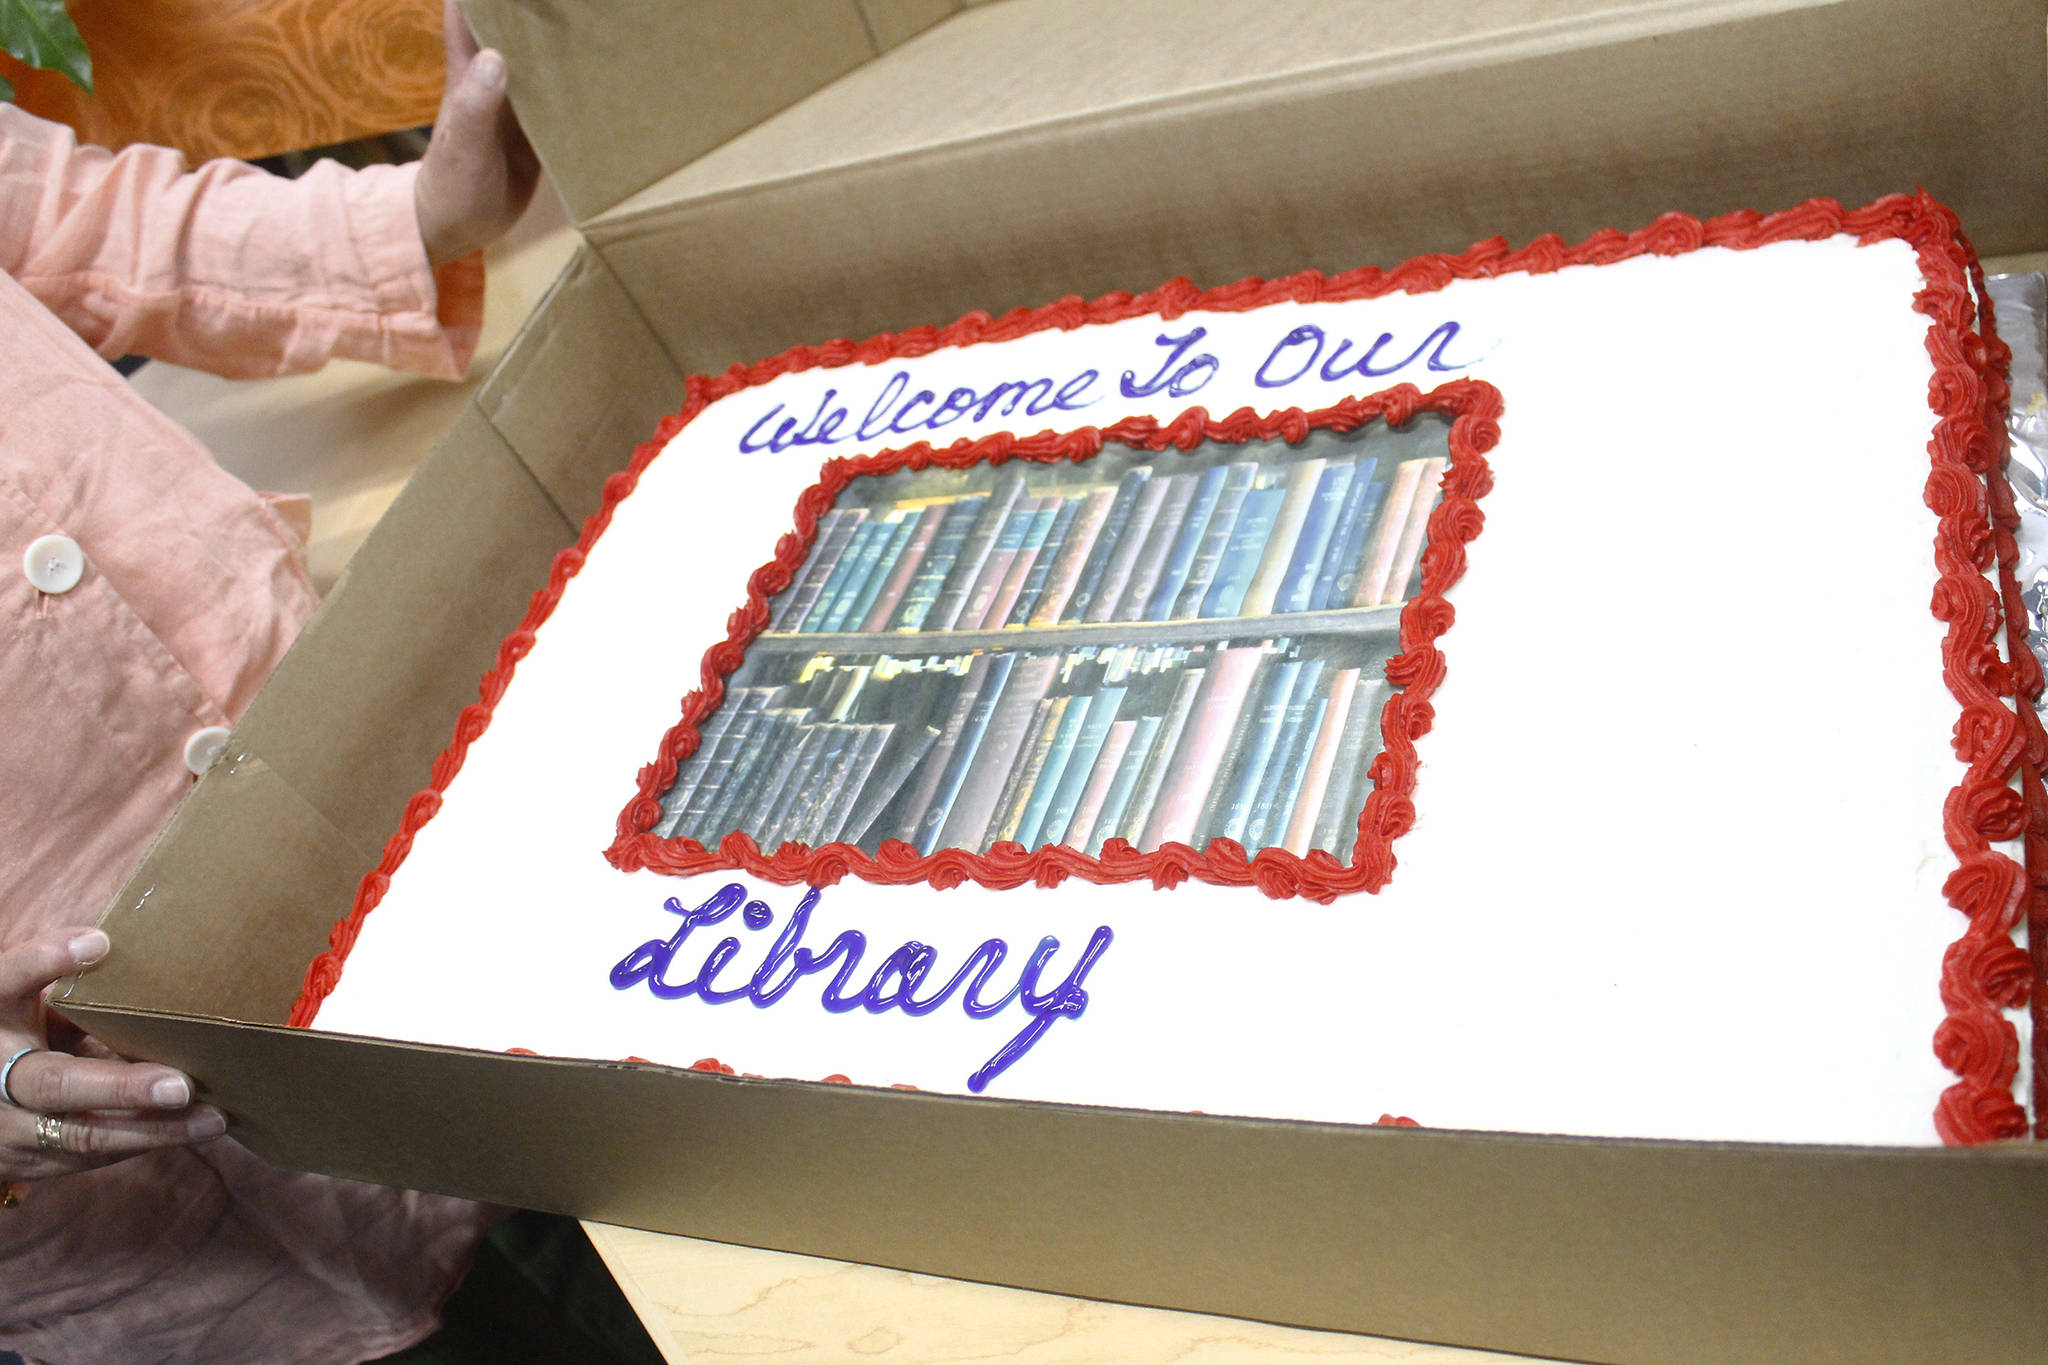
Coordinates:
(615, 95)
(1025, 151)
(1610, 1251)
(977, 165)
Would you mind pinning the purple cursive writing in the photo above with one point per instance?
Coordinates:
(895, 984)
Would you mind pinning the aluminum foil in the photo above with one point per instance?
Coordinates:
(2020, 303)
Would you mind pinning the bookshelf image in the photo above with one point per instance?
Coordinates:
(1162, 647)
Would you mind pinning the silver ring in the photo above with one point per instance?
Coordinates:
(6, 1070)
(49, 1132)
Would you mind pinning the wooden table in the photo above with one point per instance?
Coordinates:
(354, 434)
(703, 1301)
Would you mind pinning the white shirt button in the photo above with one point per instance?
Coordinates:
(204, 748)
(54, 563)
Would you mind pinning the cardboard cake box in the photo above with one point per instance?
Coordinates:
(747, 178)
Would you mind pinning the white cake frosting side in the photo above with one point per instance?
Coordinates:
(1677, 861)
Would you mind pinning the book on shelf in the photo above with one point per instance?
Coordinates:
(1123, 784)
(1336, 826)
(800, 805)
(1036, 530)
(988, 768)
(1194, 767)
(1300, 483)
(1045, 781)
(1250, 745)
(750, 770)
(1274, 832)
(995, 570)
(791, 802)
(974, 552)
(902, 569)
(1078, 766)
(1082, 599)
(675, 802)
(777, 809)
(1022, 782)
(923, 593)
(834, 530)
(860, 549)
(1116, 740)
(1338, 579)
(1150, 563)
(1124, 550)
(1158, 761)
(1322, 758)
(932, 801)
(1241, 557)
(1078, 547)
(859, 781)
(924, 808)
(1429, 491)
(861, 600)
(1312, 545)
(704, 773)
(1215, 539)
(915, 697)
(803, 586)
(841, 781)
(1340, 533)
(1192, 525)
(1269, 806)
(892, 777)
(1377, 558)
(1044, 558)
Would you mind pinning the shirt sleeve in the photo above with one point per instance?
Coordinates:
(228, 268)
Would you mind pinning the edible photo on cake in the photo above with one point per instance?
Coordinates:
(1154, 647)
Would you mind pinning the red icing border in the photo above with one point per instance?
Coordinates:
(1984, 972)
(1389, 810)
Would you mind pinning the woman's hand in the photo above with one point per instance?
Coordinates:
(64, 1113)
(479, 170)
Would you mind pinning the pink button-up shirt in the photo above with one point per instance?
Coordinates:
(193, 585)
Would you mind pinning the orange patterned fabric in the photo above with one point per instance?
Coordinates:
(244, 78)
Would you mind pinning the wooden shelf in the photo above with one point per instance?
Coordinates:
(1343, 621)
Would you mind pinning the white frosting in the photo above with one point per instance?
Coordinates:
(1677, 863)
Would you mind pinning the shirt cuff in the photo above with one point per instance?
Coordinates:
(429, 320)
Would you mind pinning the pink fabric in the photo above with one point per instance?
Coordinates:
(194, 585)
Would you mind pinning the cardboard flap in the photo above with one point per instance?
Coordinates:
(222, 852)
(582, 385)
(1653, 1253)
(394, 653)
(614, 94)
(1028, 65)
(989, 166)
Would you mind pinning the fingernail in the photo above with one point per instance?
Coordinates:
(173, 1092)
(488, 66)
(207, 1122)
(90, 946)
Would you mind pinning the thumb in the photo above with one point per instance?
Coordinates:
(470, 108)
(462, 197)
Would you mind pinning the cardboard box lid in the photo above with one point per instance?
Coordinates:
(617, 93)
(1033, 149)
(1010, 68)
